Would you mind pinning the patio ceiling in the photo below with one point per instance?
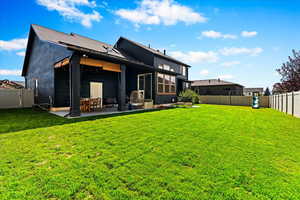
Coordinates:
(108, 66)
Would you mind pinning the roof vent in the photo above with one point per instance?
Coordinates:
(164, 52)
(148, 45)
(72, 34)
(157, 50)
(219, 80)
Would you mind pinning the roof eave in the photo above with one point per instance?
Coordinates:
(156, 54)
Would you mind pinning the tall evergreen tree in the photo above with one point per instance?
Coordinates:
(267, 92)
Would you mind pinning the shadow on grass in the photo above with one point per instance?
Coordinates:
(12, 120)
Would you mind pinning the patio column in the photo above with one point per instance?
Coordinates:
(122, 89)
(74, 71)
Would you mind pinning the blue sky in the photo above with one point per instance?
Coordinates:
(243, 41)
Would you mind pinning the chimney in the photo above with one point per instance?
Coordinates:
(164, 52)
(148, 45)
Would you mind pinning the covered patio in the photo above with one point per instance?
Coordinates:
(87, 84)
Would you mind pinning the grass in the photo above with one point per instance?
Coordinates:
(210, 152)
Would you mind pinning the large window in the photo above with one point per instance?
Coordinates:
(183, 70)
(165, 67)
(166, 84)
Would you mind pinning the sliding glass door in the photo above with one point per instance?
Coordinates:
(145, 84)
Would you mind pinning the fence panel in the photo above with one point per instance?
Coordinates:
(16, 98)
(297, 104)
(288, 103)
(233, 100)
(27, 98)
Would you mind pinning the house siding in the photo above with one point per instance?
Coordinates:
(62, 93)
(176, 67)
(40, 67)
(137, 52)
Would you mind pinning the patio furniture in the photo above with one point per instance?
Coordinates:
(110, 102)
(85, 105)
(148, 103)
(95, 103)
(88, 105)
(137, 99)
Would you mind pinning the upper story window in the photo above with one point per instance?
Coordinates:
(183, 70)
(165, 67)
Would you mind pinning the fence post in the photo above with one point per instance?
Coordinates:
(293, 104)
(282, 103)
(20, 98)
(286, 103)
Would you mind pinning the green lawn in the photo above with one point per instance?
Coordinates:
(210, 152)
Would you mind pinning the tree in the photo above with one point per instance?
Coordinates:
(290, 75)
(267, 92)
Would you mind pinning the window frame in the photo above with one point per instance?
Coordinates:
(183, 70)
(171, 81)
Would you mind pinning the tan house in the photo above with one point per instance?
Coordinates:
(250, 91)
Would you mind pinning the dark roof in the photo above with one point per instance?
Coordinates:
(74, 39)
(154, 51)
(12, 84)
(213, 82)
(253, 90)
(75, 42)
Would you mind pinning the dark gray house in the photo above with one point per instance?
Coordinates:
(217, 87)
(61, 68)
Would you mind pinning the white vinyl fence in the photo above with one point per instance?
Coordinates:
(16, 98)
(287, 102)
(233, 100)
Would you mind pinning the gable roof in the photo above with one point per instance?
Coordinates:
(75, 41)
(153, 51)
(213, 82)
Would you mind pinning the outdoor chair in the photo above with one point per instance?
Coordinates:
(137, 99)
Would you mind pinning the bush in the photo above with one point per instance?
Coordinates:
(189, 96)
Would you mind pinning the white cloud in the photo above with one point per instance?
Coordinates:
(195, 56)
(215, 35)
(15, 44)
(10, 72)
(230, 64)
(204, 72)
(166, 12)
(237, 51)
(69, 10)
(21, 53)
(248, 33)
(225, 76)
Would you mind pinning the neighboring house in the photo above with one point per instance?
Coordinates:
(250, 91)
(217, 87)
(6, 84)
(62, 68)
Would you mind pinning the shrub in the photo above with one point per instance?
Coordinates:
(189, 96)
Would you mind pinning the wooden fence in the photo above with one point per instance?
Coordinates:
(287, 102)
(233, 100)
(16, 98)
